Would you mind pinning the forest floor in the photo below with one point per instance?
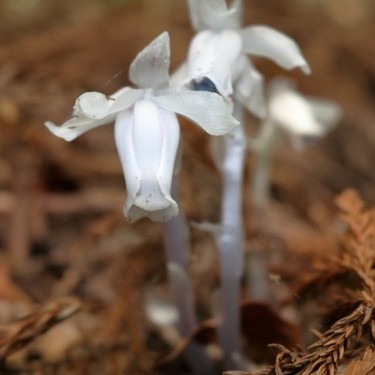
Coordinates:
(73, 268)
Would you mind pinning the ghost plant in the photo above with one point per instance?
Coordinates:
(217, 54)
(217, 62)
(146, 128)
(304, 120)
(147, 136)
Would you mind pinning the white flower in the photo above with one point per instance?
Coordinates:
(218, 51)
(146, 130)
(303, 119)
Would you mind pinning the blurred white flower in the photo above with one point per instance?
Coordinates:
(303, 119)
(146, 130)
(217, 53)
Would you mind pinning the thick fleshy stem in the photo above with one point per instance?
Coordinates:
(231, 243)
(177, 245)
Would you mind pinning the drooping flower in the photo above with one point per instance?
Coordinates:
(146, 128)
(218, 52)
(303, 119)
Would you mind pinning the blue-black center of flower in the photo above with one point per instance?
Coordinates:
(205, 85)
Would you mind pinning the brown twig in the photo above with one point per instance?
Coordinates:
(15, 336)
(325, 355)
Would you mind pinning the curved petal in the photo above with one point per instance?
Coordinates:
(291, 111)
(237, 9)
(77, 126)
(213, 55)
(214, 14)
(215, 5)
(121, 91)
(150, 69)
(326, 111)
(207, 109)
(96, 105)
(195, 13)
(267, 42)
(125, 99)
(249, 89)
(217, 16)
(147, 142)
(171, 130)
(135, 213)
(124, 142)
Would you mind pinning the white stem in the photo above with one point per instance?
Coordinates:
(260, 180)
(231, 243)
(177, 245)
(267, 140)
(176, 234)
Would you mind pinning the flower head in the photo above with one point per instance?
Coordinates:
(303, 119)
(218, 51)
(146, 128)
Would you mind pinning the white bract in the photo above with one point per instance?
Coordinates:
(146, 130)
(217, 52)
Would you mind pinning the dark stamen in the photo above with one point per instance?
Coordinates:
(205, 85)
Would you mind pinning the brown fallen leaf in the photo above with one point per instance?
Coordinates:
(16, 335)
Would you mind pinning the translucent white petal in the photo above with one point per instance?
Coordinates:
(171, 132)
(267, 42)
(135, 213)
(327, 112)
(214, 14)
(213, 55)
(150, 68)
(124, 142)
(93, 104)
(119, 92)
(291, 111)
(217, 16)
(125, 99)
(233, 17)
(147, 144)
(237, 8)
(150, 197)
(96, 105)
(216, 5)
(249, 88)
(195, 13)
(77, 126)
(207, 109)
